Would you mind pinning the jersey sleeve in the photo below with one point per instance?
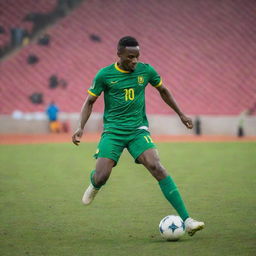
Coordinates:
(98, 85)
(154, 78)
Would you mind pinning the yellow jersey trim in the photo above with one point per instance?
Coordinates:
(92, 93)
(119, 69)
(159, 84)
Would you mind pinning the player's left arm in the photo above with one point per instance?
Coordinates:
(169, 100)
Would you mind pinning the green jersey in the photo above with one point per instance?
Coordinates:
(124, 96)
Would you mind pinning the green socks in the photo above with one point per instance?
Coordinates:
(169, 190)
(92, 180)
(172, 194)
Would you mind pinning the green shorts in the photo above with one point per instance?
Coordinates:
(112, 145)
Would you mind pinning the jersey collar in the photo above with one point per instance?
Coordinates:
(119, 69)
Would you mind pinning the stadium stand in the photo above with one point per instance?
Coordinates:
(13, 13)
(204, 50)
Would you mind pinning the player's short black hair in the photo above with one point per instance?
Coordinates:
(127, 41)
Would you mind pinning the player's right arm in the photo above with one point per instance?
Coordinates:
(84, 116)
(94, 91)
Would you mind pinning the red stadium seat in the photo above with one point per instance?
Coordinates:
(204, 51)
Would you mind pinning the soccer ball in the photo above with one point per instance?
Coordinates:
(172, 227)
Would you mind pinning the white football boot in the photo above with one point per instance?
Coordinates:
(89, 194)
(192, 226)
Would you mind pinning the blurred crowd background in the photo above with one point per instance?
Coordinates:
(205, 51)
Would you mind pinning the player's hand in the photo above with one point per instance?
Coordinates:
(77, 136)
(186, 121)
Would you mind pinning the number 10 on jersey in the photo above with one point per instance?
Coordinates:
(129, 94)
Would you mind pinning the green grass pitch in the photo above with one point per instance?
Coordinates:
(41, 212)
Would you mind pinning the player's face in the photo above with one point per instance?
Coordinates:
(129, 58)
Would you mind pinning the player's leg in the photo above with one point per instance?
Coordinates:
(150, 160)
(144, 151)
(109, 150)
(102, 171)
(98, 177)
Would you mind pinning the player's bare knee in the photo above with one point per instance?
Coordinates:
(153, 165)
(157, 170)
